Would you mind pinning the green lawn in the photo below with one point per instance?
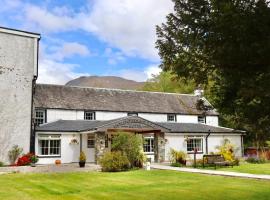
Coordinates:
(155, 184)
(249, 168)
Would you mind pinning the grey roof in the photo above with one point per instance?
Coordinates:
(100, 99)
(196, 128)
(85, 125)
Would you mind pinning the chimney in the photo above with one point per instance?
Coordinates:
(198, 92)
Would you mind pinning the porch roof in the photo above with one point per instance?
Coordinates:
(131, 122)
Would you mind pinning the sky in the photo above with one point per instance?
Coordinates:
(91, 37)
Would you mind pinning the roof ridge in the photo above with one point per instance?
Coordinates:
(115, 89)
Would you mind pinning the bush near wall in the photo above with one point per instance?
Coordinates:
(114, 162)
(27, 159)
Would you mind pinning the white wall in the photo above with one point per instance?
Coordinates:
(212, 120)
(154, 117)
(56, 114)
(177, 142)
(69, 152)
(187, 118)
(103, 115)
(18, 56)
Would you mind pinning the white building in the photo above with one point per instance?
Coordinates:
(89, 116)
(18, 72)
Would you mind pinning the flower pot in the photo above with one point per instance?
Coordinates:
(82, 163)
(33, 164)
(58, 162)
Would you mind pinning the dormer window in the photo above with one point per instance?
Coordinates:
(40, 116)
(171, 118)
(201, 119)
(89, 115)
(132, 114)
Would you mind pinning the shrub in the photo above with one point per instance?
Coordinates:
(227, 150)
(255, 160)
(27, 159)
(178, 156)
(82, 157)
(129, 145)
(114, 162)
(14, 153)
(1, 164)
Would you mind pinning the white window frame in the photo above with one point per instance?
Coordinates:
(37, 117)
(201, 119)
(152, 144)
(194, 138)
(92, 139)
(171, 115)
(90, 112)
(49, 138)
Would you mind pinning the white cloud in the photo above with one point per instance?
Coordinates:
(152, 70)
(113, 57)
(53, 72)
(139, 75)
(124, 24)
(68, 50)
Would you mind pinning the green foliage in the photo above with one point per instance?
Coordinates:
(131, 146)
(177, 156)
(255, 160)
(114, 162)
(168, 82)
(223, 43)
(227, 150)
(82, 157)
(1, 164)
(14, 154)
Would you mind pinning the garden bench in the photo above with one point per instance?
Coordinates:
(215, 160)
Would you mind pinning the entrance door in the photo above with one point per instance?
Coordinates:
(90, 148)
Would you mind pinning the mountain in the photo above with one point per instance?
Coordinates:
(105, 82)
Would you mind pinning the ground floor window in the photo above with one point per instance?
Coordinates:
(49, 145)
(194, 143)
(91, 141)
(148, 145)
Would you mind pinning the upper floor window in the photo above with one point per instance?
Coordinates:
(89, 115)
(171, 118)
(132, 114)
(201, 119)
(40, 116)
(195, 143)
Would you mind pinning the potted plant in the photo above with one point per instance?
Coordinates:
(34, 160)
(82, 159)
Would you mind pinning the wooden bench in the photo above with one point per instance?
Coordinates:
(215, 160)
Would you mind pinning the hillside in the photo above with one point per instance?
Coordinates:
(105, 82)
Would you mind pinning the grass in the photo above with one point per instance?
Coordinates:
(139, 184)
(249, 168)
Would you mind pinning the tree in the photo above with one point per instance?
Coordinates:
(168, 82)
(226, 42)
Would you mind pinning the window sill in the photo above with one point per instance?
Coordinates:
(49, 156)
(193, 153)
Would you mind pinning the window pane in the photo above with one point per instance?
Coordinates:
(148, 145)
(89, 115)
(193, 143)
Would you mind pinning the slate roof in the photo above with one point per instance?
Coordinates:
(170, 127)
(100, 99)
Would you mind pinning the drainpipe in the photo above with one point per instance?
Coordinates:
(206, 141)
(80, 143)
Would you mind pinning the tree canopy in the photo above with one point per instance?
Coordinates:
(228, 43)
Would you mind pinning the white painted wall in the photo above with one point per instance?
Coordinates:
(187, 118)
(56, 114)
(103, 115)
(154, 117)
(215, 140)
(177, 142)
(212, 120)
(69, 152)
(18, 63)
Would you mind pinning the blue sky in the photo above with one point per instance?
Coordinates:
(91, 37)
